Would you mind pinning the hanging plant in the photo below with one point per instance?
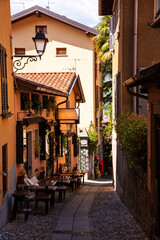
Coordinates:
(37, 147)
(51, 106)
(92, 138)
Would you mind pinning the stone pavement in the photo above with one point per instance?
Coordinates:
(96, 213)
(73, 222)
(93, 212)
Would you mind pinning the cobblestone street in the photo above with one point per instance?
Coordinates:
(93, 212)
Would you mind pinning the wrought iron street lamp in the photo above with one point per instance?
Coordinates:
(40, 42)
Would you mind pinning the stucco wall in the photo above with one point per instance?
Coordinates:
(7, 130)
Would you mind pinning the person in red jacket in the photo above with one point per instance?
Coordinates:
(101, 166)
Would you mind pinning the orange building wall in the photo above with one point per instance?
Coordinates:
(7, 130)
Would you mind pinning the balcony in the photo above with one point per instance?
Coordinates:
(68, 115)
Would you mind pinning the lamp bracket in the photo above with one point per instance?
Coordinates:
(19, 65)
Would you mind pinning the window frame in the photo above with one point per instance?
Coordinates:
(22, 51)
(61, 54)
(42, 30)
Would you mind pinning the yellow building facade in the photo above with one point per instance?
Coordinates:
(7, 124)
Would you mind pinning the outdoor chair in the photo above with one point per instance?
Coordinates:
(46, 198)
(62, 192)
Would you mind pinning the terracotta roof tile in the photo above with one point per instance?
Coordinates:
(60, 81)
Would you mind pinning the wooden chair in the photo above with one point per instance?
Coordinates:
(44, 198)
(62, 192)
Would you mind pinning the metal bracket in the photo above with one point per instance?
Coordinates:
(18, 65)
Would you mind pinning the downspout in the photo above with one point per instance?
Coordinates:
(62, 102)
(135, 51)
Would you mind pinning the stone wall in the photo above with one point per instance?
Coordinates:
(133, 191)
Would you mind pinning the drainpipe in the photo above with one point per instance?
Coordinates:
(62, 102)
(135, 51)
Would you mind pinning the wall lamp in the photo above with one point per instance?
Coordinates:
(40, 42)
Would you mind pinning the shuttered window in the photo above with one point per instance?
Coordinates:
(111, 33)
(4, 90)
(4, 167)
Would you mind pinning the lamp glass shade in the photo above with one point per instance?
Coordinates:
(40, 45)
(40, 42)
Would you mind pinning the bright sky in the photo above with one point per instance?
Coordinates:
(83, 11)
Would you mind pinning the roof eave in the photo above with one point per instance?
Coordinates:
(40, 87)
(143, 76)
(65, 20)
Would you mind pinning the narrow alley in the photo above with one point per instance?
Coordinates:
(93, 212)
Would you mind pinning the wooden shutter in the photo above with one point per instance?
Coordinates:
(96, 98)
(111, 33)
(19, 142)
(42, 136)
(74, 141)
(118, 24)
(157, 8)
(51, 146)
(57, 134)
(117, 95)
(3, 65)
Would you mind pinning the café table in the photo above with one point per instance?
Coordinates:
(23, 197)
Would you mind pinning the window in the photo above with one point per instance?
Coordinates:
(45, 102)
(111, 33)
(3, 74)
(4, 167)
(43, 29)
(35, 100)
(25, 101)
(61, 52)
(157, 8)
(19, 51)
